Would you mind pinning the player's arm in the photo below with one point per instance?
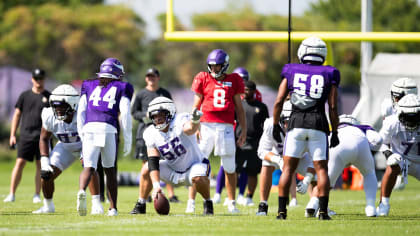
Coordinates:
(240, 116)
(192, 126)
(81, 115)
(333, 108)
(14, 127)
(154, 157)
(126, 124)
(278, 107)
(44, 140)
(198, 98)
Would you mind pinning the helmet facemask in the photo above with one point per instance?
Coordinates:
(160, 118)
(62, 110)
(411, 121)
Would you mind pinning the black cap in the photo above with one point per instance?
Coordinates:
(153, 71)
(38, 74)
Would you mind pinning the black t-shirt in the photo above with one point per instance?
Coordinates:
(31, 104)
(255, 114)
(141, 103)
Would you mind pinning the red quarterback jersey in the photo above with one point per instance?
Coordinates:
(217, 104)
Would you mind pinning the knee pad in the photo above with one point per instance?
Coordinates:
(228, 163)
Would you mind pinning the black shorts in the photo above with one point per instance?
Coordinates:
(28, 150)
(253, 163)
(141, 150)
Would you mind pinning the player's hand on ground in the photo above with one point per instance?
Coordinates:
(46, 169)
(155, 192)
(277, 133)
(334, 141)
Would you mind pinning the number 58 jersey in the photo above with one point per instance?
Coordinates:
(180, 150)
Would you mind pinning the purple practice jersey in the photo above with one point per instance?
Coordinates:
(103, 102)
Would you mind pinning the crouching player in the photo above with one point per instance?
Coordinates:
(60, 120)
(270, 151)
(402, 132)
(172, 138)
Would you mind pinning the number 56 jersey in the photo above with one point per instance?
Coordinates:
(180, 150)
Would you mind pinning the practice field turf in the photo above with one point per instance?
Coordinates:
(16, 218)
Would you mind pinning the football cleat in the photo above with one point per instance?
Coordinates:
(262, 209)
(324, 216)
(226, 202)
(81, 203)
(174, 199)
(139, 208)
(293, 202)
(383, 209)
(248, 201)
(9, 198)
(330, 212)
(310, 212)
(281, 215)
(190, 206)
(241, 200)
(370, 211)
(36, 198)
(44, 210)
(112, 212)
(232, 207)
(97, 209)
(216, 199)
(208, 207)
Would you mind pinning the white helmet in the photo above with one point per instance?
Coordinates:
(348, 119)
(161, 104)
(408, 111)
(64, 95)
(286, 112)
(402, 87)
(312, 49)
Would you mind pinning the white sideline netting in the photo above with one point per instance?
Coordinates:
(382, 72)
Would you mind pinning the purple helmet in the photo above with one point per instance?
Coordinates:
(218, 57)
(243, 73)
(111, 68)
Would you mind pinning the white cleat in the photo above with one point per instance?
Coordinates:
(232, 208)
(112, 212)
(370, 211)
(226, 202)
(216, 199)
(97, 209)
(293, 202)
(249, 202)
(190, 207)
(36, 198)
(9, 198)
(241, 200)
(81, 203)
(44, 210)
(383, 210)
(330, 212)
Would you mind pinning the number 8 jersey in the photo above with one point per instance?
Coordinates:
(218, 105)
(309, 86)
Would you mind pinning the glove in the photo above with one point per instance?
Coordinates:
(277, 160)
(276, 133)
(156, 190)
(127, 148)
(303, 185)
(394, 159)
(334, 141)
(196, 115)
(46, 170)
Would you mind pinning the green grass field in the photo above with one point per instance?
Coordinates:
(16, 218)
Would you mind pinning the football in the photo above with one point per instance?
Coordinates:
(161, 204)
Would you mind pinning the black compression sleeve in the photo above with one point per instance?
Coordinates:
(153, 163)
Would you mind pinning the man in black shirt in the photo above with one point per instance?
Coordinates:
(139, 112)
(28, 112)
(255, 112)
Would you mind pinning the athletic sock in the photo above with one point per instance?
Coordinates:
(323, 204)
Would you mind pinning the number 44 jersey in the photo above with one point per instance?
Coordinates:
(180, 150)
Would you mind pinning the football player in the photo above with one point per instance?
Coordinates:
(401, 132)
(219, 96)
(60, 120)
(245, 75)
(310, 85)
(270, 152)
(103, 100)
(172, 139)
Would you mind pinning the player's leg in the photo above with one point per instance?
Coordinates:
(109, 155)
(94, 189)
(198, 176)
(15, 179)
(253, 168)
(36, 198)
(145, 187)
(48, 188)
(292, 190)
(240, 163)
(220, 184)
(265, 187)
(171, 193)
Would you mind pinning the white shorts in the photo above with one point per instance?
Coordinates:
(169, 175)
(62, 157)
(351, 151)
(91, 152)
(298, 141)
(302, 168)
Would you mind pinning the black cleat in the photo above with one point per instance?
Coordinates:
(281, 215)
(208, 208)
(174, 199)
(310, 212)
(324, 216)
(139, 208)
(149, 199)
(262, 209)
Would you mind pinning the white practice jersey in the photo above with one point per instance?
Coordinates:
(387, 108)
(180, 150)
(64, 132)
(268, 143)
(402, 141)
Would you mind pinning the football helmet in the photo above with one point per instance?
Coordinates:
(408, 111)
(111, 68)
(312, 49)
(286, 112)
(64, 100)
(158, 105)
(348, 119)
(243, 73)
(218, 57)
(402, 87)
